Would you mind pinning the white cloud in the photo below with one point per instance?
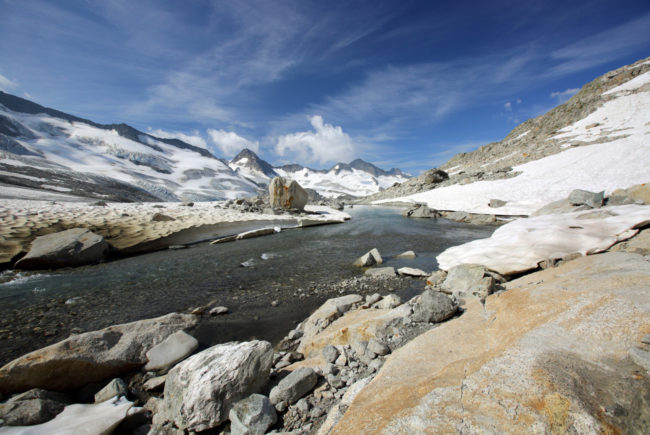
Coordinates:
(508, 106)
(193, 139)
(230, 143)
(562, 96)
(326, 143)
(7, 85)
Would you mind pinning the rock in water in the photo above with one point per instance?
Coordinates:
(298, 383)
(285, 195)
(173, 349)
(253, 415)
(420, 211)
(369, 258)
(200, 391)
(74, 247)
(92, 356)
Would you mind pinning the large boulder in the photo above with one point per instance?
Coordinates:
(32, 407)
(468, 279)
(92, 356)
(286, 194)
(368, 259)
(433, 306)
(253, 415)
(73, 247)
(584, 197)
(549, 355)
(420, 211)
(434, 176)
(200, 391)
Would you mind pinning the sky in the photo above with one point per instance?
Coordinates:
(404, 84)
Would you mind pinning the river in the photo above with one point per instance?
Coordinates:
(298, 268)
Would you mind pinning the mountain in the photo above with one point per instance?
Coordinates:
(597, 140)
(47, 150)
(357, 178)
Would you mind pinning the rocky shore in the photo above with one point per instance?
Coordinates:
(559, 344)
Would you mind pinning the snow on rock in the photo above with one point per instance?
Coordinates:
(522, 244)
(79, 419)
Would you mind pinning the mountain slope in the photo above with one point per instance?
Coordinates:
(45, 149)
(249, 165)
(598, 140)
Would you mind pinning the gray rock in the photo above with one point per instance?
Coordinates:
(463, 278)
(92, 356)
(35, 406)
(381, 272)
(433, 307)
(218, 311)
(330, 353)
(377, 347)
(640, 357)
(253, 415)
(302, 405)
(584, 197)
(646, 339)
(335, 381)
(458, 216)
(615, 200)
(482, 219)
(434, 176)
(298, 383)
(200, 391)
(173, 349)
(410, 271)
(155, 384)
(437, 278)
(373, 298)
(69, 248)
(407, 254)
(160, 217)
(285, 195)
(496, 203)
(558, 207)
(376, 364)
(388, 302)
(420, 211)
(115, 388)
(368, 259)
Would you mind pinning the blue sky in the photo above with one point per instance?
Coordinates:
(403, 83)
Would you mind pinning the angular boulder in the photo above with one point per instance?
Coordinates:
(253, 415)
(468, 279)
(433, 307)
(331, 310)
(368, 259)
(115, 388)
(69, 248)
(200, 391)
(173, 349)
(411, 271)
(298, 383)
(92, 356)
(584, 197)
(284, 194)
(420, 211)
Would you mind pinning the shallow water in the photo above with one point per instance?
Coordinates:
(297, 267)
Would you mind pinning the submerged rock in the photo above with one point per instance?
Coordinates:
(91, 356)
(69, 248)
(200, 391)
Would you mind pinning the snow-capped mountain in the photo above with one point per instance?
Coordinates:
(357, 178)
(48, 150)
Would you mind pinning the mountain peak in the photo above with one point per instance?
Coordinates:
(249, 162)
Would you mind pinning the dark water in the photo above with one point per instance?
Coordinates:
(301, 270)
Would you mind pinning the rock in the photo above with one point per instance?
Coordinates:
(173, 349)
(420, 211)
(330, 353)
(407, 254)
(155, 384)
(559, 207)
(32, 407)
(331, 310)
(584, 197)
(646, 339)
(496, 203)
(437, 278)
(639, 192)
(388, 302)
(336, 412)
(434, 176)
(463, 278)
(433, 307)
(381, 272)
(117, 387)
(218, 310)
(410, 271)
(458, 216)
(160, 217)
(482, 219)
(373, 298)
(368, 259)
(253, 415)
(69, 248)
(255, 233)
(98, 419)
(298, 383)
(536, 353)
(287, 196)
(91, 356)
(640, 357)
(377, 347)
(200, 391)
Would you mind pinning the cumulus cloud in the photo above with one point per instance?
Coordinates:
(7, 85)
(193, 139)
(508, 106)
(562, 96)
(326, 143)
(230, 143)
